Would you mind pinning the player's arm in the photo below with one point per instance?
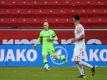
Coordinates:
(37, 41)
(77, 39)
(80, 30)
(54, 37)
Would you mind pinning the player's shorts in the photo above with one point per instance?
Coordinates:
(78, 53)
(48, 50)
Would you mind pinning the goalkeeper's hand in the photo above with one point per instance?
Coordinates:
(33, 47)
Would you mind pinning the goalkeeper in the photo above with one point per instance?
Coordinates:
(48, 36)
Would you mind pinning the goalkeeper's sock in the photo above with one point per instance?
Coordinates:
(45, 62)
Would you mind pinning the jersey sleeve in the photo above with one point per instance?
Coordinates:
(80, 29)
(54, 36)
(39, 38)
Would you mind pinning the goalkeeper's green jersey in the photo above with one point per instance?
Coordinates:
(45, 35)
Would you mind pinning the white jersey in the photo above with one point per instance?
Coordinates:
(79, 45)
(79, 30)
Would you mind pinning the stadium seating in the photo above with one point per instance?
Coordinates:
(32, 13)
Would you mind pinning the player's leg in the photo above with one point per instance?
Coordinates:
(87, 64)
(77, 59)
(81, 69)
(44, 55)
(53, 54)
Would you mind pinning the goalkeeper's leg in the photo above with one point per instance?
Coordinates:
(45, 53)
(53, 53)
(46, 66)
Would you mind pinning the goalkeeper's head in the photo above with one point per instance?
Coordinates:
(46, 25)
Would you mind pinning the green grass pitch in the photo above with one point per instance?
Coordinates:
(56, 73)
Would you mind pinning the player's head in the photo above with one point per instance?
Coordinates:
(76, 18)
(46, 25)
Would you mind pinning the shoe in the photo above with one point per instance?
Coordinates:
(81, 76)
(46, 68)
(93, 71)
(65, 59)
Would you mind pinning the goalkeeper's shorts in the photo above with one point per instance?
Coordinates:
(48, 50)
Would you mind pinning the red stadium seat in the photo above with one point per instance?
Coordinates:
(48, 3)
(62, 22)
(51, 12)
(32, 13)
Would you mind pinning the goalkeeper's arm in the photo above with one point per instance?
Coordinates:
(54, 37)
(38, 41)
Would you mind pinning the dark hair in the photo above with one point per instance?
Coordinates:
(76, 17)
